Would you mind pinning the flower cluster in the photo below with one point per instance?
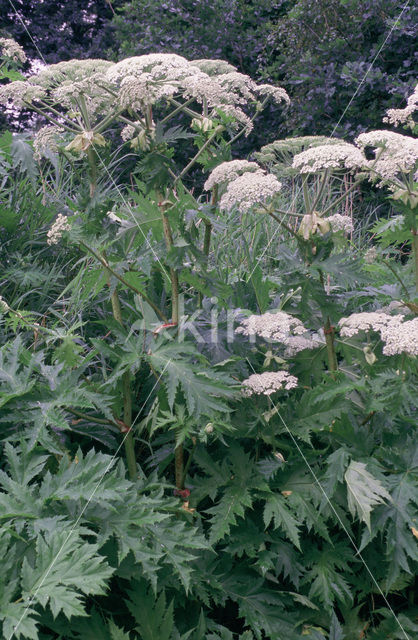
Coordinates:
(60, 225)
(248, 190)
(340, 223)
(329, 156)
(135, 92)
(213, 67)
(400, 337)
(394, 153)
(295, 344)
(404, 116)
(11, 49)
(366, 321)
(276, 327)
(268, 383)
(227, 171)
(277, 94)
(46, 140)
(20, 93)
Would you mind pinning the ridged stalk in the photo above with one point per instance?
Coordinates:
(127, 400)
(178, 451)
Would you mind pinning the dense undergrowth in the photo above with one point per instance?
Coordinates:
(207, 365)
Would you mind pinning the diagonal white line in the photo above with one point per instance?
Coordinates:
(335, 128)
(27, 31)
(128, 206)
(312, 472)
(60, 550)
(126, 203)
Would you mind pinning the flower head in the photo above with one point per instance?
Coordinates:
(329, 156)
(340, 223)
(400, 337)
(227, 171)
(268, 383)
(19, 93)
(272, 326)
(46, 140)
(213, 67)
(394, 153)
(277, 94)
(60, 225)
(367, 321)
(11, 49)
(250, 189)
(405, 115)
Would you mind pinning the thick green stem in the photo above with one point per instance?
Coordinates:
(306, 195)
(178, 452)
(329, 338)
(397, 276)
(207, 237)
(127, 400)
(179, 466)
(173, 273)
(91, 157)
(329, 341)
(123, 281)
(341, 198)
(203, 148)
(189, 460)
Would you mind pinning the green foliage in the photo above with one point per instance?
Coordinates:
(239, 516)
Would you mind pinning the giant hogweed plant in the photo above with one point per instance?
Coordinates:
(288, 442)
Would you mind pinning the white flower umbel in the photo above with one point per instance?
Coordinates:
(135, 92)
(367, 321)
(46, 140)
(60, 225)
(394, 153)
(239, 116)
(235, 81)
(11, 49)
(277, 94)
(19, 93)
(343, 156)
(153, 62)
(276, 327)
(248, 190)
(340, 223)
(70, 71)
(295, 344)
(400, 337)
(228, 171)
(213, 67)
(405, 115)
(268, 383)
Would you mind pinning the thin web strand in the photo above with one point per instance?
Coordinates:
(357, 550)
(338, 123)
(60, 550)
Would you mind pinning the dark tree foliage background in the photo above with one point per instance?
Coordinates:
(319, 51)
(61, 30)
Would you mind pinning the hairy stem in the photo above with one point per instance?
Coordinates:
(329, 341)
(173, 273)
(179, 466)
(168, 236)
(91, 158)
(123, 281)
(187, 168)
(127, 400)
